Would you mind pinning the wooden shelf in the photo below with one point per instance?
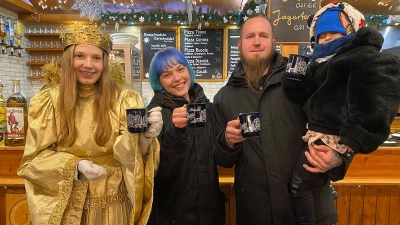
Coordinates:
(37, 63)
(11, 181)
(41, 34)
(12, 148)
(44, 49)
(34, 77)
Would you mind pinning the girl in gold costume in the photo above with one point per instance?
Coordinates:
(80, 164)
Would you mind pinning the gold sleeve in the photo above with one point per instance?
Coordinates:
(46, 171)
(138, 173)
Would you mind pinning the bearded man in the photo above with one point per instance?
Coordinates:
(264, 164)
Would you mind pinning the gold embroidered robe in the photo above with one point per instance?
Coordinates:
(124, 196)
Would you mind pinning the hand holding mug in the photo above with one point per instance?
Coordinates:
(233, 133)
(179, 117)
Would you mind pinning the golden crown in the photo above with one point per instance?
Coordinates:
(90, 35)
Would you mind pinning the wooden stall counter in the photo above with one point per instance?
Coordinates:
(369, 194)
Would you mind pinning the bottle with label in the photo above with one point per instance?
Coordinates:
(17, 119)
(3, 117)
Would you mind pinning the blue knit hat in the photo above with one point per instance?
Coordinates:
(330, 21)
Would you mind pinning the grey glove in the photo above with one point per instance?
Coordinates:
(91, 170)
(155, 121)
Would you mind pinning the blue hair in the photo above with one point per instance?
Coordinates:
(162, 61)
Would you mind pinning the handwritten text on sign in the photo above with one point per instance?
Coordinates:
(203, 50)
(290, 19)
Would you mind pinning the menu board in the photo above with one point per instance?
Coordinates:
(304, 49)
(152, 42)
(289, 19)
(233, 50)
(135, 63)
(204, 50)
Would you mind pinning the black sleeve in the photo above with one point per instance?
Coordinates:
(373, 100)
(173, 144)
(224, 156)
(298, 88)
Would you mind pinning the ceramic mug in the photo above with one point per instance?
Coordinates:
(196, 114)
(250, 124)
(297, 64)
(136, 119)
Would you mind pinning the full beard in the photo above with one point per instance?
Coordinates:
(255, 68)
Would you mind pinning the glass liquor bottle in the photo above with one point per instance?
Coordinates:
(2, 34)
(3, 117)
(17, 119)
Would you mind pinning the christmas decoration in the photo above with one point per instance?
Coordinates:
(91, 8)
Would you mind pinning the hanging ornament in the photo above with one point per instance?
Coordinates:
(225, 20)
(189, 10)
(103, 25)
(91, 8)
(257, 1)
(158, 23)
(206, 23)
(257, 9)
(249, 12)
(116, 26)
(141, 19)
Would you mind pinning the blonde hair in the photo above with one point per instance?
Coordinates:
(104, 103)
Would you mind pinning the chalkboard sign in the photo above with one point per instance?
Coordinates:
(233, 50)
(204, 50)
(304, 50)
(154, 41)
(289, 19)
(135, 64)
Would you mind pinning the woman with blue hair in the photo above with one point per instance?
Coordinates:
(186, 185)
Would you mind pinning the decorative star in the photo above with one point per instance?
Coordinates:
(245, 18)
(141, 19)
(91, 8)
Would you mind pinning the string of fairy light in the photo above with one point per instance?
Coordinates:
(96, 8)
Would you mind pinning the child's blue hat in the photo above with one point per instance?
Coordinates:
(330, 21)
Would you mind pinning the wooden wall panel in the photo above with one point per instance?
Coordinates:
(343, 204)
(2, 206)
(383, 205)
(394, 217)
(369, 210)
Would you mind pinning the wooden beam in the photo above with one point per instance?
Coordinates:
(56, 18)
(17, 6)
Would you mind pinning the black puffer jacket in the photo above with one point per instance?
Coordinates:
(356, 93)
(186, 188)
(264, 165)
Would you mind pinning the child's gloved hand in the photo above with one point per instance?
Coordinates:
(91, 170)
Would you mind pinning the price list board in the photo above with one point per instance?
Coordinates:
(233, 49)
(304, 50)
(204, 51)
(152, 42)
(135, 63)
(289, 19)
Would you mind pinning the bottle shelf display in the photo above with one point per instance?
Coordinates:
(10, 36)
(42, 48)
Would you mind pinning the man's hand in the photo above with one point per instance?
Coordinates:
(323, 158)
(179, 117)
(233, 133)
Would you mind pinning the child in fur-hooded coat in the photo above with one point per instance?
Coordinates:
(351, 94)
